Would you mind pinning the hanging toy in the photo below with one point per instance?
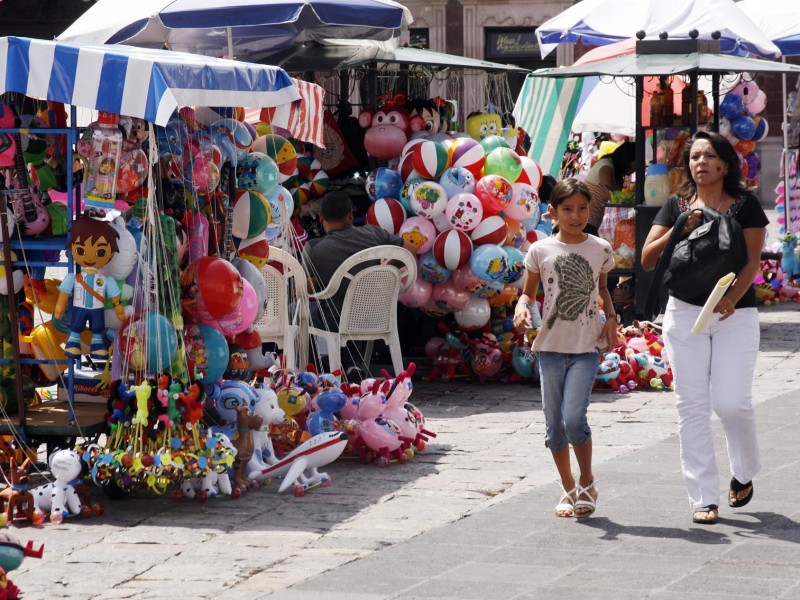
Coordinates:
(104, 162)
(92, 244)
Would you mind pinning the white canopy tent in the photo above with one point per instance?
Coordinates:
(599, 22)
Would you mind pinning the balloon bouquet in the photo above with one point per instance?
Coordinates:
(468, 203)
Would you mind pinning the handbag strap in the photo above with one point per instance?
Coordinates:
(653, 304)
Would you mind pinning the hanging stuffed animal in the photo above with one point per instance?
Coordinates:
(388, 128)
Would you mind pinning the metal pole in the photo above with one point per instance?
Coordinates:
(785, 154)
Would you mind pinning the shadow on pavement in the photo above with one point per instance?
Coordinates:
(769, 525)
(612, 530)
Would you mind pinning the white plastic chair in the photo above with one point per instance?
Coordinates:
(285, 322)
(369, 311)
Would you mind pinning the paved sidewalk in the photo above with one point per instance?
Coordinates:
(470, 517)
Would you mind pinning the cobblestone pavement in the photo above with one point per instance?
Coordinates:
(471, 516)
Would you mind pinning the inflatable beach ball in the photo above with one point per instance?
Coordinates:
(452, 249)
(467, 153)
(258, 172)
(457, 180)
(492, 230)
(383, 183)
(430, 159)
(388, 214)
(428, 199)
(531, 172)
(251, 214)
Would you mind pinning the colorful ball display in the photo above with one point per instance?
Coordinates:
(457, 180)
(281, 205)
(492, 230)
(211, 288)
(388, 214)
(383, 183)
(494, 192)
(466, 280)
(251, 214)
(503, 162)
(148, 342)
(492, 142)
(279, 149)
(468, 153)
(254, 250)
(430, 159)
(418, 295)
(206, 351)
(489, 262)
(257, 172)
(516, 265)
(452, 249)
(524, 202)
(448, 297)
(464, 211)
(418, 232)
(428, 199)
(407, 191)
(531, 172)
(430, 270)
(474, 315)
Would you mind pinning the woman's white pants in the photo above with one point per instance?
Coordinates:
(713, 370)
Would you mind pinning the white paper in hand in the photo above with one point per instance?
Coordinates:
(704, 318)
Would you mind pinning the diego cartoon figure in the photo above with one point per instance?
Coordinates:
(92, 244)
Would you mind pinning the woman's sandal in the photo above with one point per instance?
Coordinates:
(566, 505)
(711, 513)
(737, 487)
(585, 507)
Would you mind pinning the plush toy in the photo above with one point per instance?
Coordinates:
(15, 500)
(271, 414)
(92, 244)
(388, 128)
(481, 125)
(654, 372)
(60, 498)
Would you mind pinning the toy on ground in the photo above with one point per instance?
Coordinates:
(16, 501)
(59, 497)
(12, 554)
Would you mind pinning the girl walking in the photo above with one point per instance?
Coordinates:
(573, 268)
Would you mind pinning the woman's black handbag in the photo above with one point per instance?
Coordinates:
(690, 268)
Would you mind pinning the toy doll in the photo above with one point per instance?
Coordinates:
(92, 244)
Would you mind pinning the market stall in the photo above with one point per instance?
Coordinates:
(106, 79)
(661, 58)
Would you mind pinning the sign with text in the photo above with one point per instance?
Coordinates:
(507, 43)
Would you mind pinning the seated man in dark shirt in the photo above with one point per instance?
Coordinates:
(322, 256)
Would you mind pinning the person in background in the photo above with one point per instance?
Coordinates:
(323, 255)
(607, 175)
(572, 265)
(714, 369)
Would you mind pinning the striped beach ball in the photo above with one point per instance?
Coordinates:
(388, 214)
(492, 230)
(251, 214)
(429, 159)
(531, 172)
(468, 153)
(452, 249)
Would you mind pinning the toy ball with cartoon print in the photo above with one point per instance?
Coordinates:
(383, 183)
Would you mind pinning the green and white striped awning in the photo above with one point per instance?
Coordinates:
(546, 109)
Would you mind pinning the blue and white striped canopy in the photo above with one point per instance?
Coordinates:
(149, 84)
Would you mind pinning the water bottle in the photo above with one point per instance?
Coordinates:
(656, 185)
